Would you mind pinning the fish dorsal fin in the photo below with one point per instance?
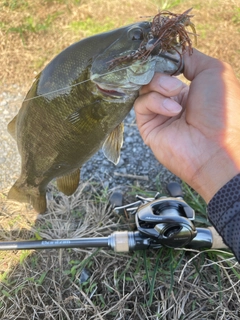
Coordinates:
(68, 184)
(12, 127)
(112, 146)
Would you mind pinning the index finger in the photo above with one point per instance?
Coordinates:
(164, 84)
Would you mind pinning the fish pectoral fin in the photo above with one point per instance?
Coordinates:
(74, 117)
(112, 146)
(68, 184)
(12, 127)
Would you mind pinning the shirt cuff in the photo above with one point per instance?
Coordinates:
(224, 213)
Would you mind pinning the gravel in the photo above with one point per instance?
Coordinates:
(10, 101)
(137, 164)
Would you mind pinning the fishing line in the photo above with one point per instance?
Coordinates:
(69, 87)
(58, 90)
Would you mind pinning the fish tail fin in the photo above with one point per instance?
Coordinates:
(20, 194)
(15, 193)
(39, 203)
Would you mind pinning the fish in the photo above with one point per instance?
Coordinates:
(77, 104)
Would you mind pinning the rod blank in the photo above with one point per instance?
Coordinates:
(59, 243)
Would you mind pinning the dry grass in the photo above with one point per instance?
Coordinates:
(162, 284)
(23, 54)
(33, 32)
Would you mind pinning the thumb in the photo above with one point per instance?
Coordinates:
(198, 62)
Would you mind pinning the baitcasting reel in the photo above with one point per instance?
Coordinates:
(166, 220)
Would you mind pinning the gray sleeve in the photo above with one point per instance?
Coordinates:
(224, 213)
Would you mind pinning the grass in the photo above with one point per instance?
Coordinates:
(154, 284)
(33, 32)
(90, 27)
(100, 284)
(236, 16)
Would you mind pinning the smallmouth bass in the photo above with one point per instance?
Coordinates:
(76, 105)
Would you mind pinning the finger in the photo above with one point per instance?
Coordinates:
(148, 105)
(165, 84)
(197, 62)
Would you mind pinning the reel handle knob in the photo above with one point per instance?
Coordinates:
(175, 190)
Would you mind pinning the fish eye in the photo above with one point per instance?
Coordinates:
(135, 34)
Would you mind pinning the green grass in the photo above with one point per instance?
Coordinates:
(197, 203)
(15, 4)
(167, 4)
(77, 266)
(23, 255)
(203, 30)
(30, 24)
(236, 16)
(90, 27)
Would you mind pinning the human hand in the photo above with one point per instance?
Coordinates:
(194, 131)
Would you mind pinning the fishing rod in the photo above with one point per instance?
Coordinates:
(160, 222)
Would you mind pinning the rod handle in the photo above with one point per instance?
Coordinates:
(217, 241)
(121, 241)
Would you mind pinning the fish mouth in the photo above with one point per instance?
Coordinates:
(173, 60)
(110, 92)
(117, 92)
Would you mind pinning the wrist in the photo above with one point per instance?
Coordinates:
(214, 175)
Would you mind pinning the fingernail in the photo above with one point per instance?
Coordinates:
(169, 83)
(171, 105)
